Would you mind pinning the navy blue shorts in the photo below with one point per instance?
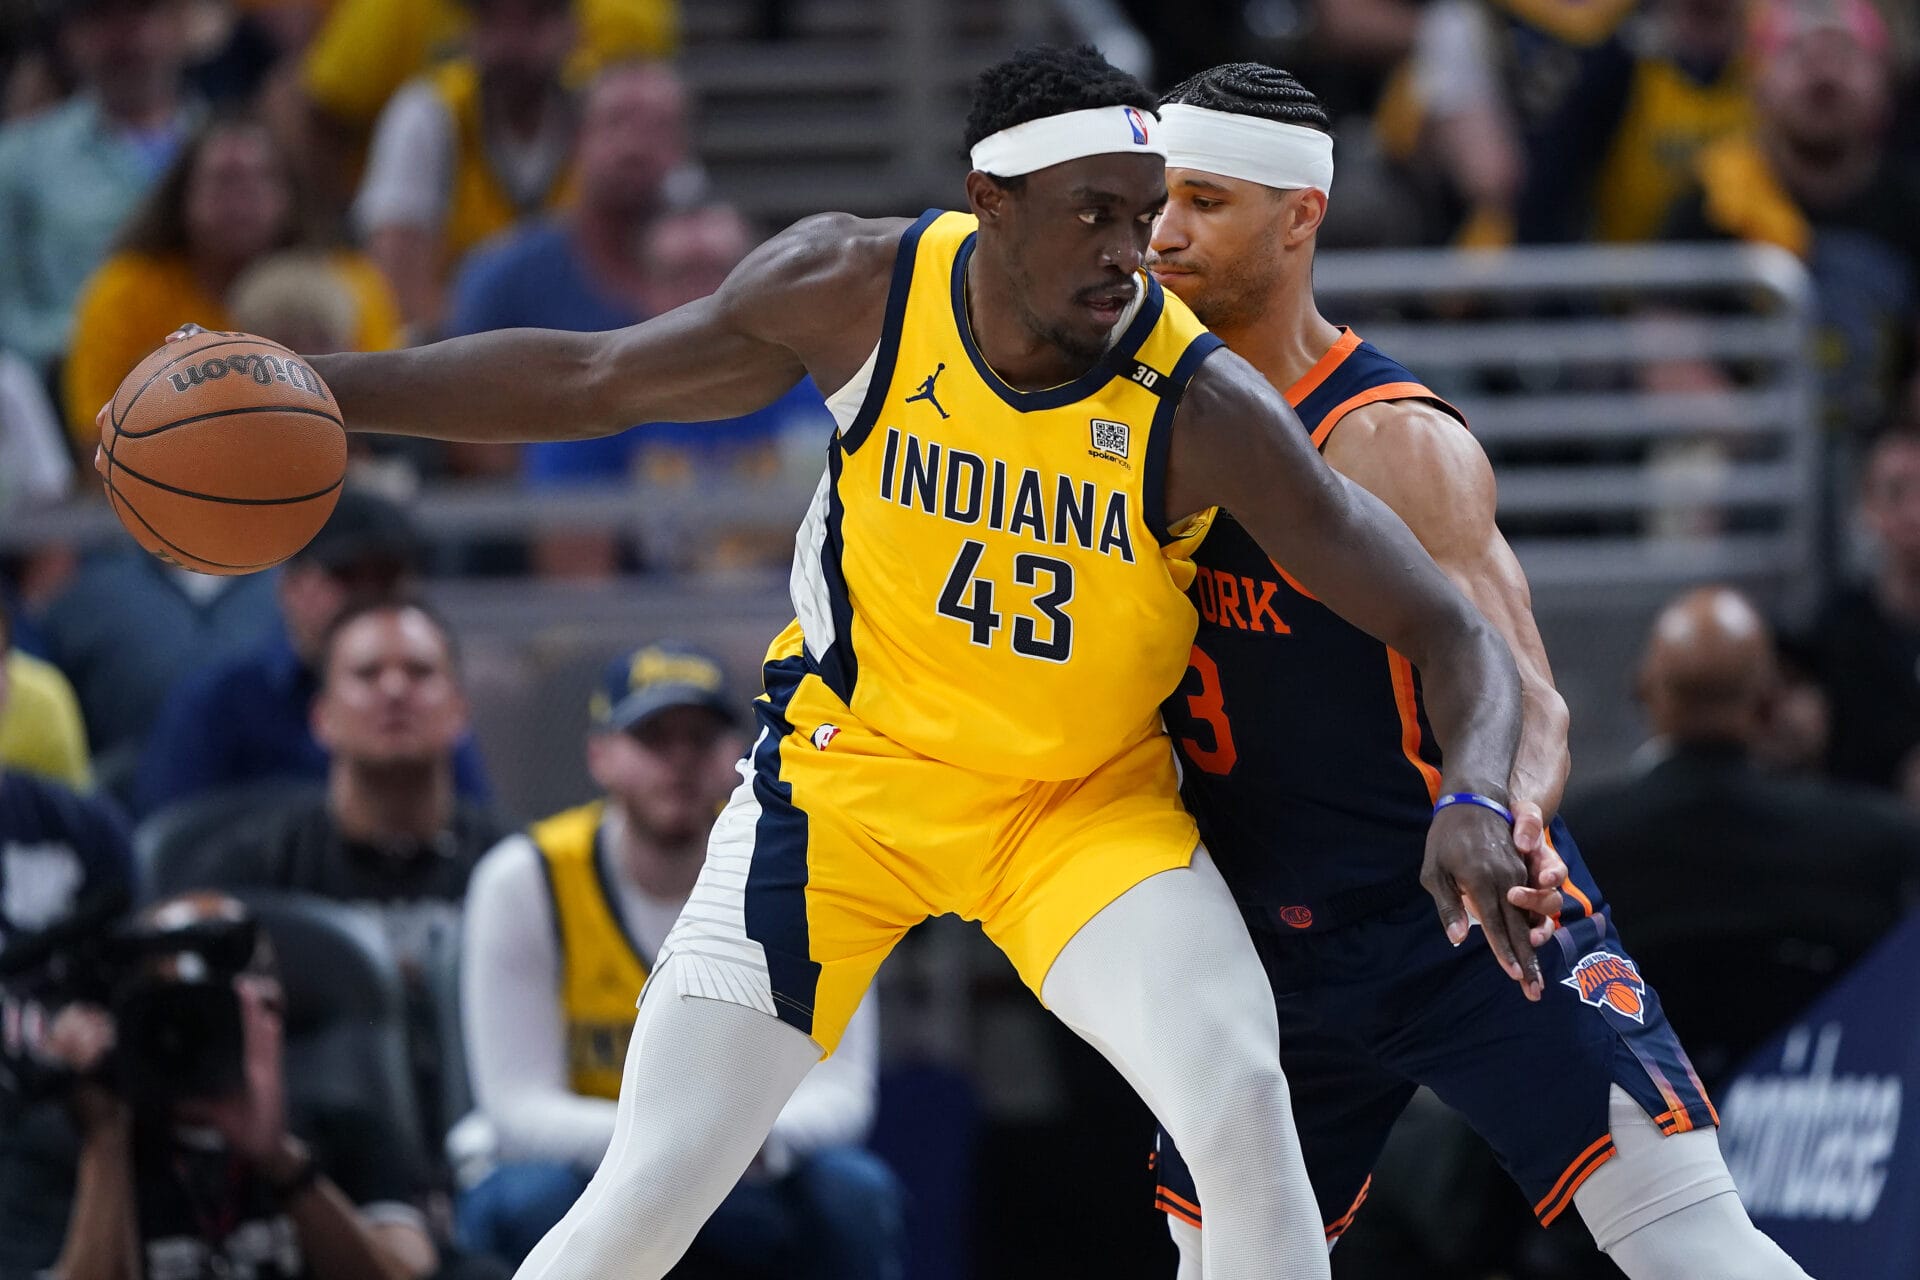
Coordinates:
(1371, 1010)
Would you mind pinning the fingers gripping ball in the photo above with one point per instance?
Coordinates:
(222, 453)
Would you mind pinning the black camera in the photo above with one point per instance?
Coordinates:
(170, 990)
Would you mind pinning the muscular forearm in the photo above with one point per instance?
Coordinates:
(1541, 763)
(509, 385)
(1473, 700)
(101, 1239)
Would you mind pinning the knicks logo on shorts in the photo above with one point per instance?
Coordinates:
(1607, 981)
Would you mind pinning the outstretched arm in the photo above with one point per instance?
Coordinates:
(799, 303)
(1236, 444)
(1434, 475)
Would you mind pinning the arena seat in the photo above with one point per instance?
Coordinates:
(171, 848)
(346, 1039)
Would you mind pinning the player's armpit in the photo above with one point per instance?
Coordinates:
(1434, 475)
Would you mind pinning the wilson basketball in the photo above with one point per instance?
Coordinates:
(223, 453)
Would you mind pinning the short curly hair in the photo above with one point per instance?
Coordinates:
(1047, 80)
(1253, 89)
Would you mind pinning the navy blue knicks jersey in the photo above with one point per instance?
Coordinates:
(1304, 744)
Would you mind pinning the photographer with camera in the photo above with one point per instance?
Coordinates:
(190, 1165)
(66, 870)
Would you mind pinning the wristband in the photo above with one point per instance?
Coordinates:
(1473, 797)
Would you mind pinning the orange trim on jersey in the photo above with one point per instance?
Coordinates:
(1408, 706)
(1291, 581)
(1372, 395)
(1323, 368)
(1179, 1206)
(1339, 1228)
(1555, 1202)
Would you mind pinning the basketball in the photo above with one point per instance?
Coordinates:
(223, 453)
(1624, 998)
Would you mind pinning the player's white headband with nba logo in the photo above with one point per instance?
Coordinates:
(1072, 135)
(1289, 157)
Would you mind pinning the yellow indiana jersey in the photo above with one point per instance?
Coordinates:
(980, 576)
(601, 971)
(1670, 118)
(480, 206)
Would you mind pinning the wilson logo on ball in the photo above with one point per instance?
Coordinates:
(263, 369)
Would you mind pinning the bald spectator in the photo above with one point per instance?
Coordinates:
(1749, 893)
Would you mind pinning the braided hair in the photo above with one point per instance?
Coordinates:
(1253, 89)
(1047, 80)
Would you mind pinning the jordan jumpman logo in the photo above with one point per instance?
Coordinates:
(926, 390)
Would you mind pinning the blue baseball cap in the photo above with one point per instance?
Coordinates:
(656, 677)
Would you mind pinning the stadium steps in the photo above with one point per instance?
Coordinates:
(822, 119)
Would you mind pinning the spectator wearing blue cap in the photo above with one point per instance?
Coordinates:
(548, 999)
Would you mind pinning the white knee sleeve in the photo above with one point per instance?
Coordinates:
(1166, 984)
(1187, 1239)
(704, 1082)
(1666, 1209)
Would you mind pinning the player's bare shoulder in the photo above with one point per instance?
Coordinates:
(818, 288)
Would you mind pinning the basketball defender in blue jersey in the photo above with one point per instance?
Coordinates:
(1312, 770)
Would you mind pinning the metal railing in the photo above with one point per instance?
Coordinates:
(1556, 355)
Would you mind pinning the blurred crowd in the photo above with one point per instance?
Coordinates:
(255, 806)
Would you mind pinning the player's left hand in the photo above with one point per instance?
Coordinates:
(1470, 870)
(1540, 896)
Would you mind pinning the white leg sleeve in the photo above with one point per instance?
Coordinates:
(704, 1081)
(1165, 982)
(1187, 1239)
(1666, 1208)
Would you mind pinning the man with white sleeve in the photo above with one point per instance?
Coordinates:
(548, 998)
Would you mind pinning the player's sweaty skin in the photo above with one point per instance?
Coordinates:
(1052, 254)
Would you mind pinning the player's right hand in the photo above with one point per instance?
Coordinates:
(1546, 872)
(1470, 868)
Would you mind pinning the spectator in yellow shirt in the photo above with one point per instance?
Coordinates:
(228, 201)
(40, 727)
(470, 148)
(367, 49)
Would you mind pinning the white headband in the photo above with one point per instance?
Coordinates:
(1074, 135)
(1286, 156)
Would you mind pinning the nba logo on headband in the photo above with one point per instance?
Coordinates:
(1138, 123)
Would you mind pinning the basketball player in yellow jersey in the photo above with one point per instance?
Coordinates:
(965, 716)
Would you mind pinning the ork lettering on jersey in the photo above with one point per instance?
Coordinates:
(1235, 600)
(963, 487)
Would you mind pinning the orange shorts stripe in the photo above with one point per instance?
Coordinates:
(1557, 1200)
(1339, 1228)
(1177, 1206)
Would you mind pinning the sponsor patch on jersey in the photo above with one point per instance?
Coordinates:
(824, 734)
(1109, 437)
(1607, 981)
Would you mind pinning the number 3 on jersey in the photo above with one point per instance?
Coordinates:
(1209, 707)
(968, 599)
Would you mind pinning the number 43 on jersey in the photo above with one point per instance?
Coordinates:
(969, 599)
